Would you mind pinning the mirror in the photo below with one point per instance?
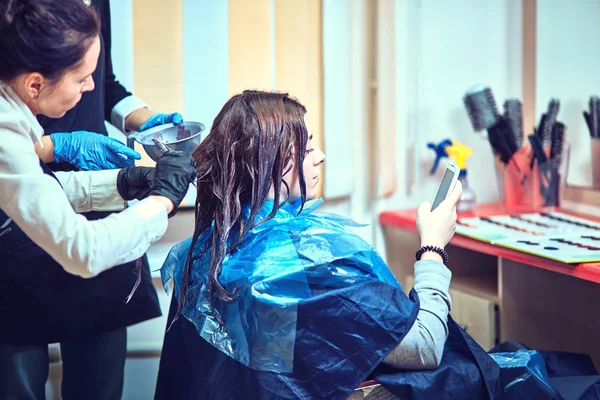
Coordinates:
(568, 69)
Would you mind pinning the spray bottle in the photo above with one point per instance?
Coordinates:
(459, 153)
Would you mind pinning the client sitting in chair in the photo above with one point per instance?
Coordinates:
(275, 301)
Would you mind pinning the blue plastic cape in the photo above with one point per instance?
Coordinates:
(465, 372)
(315, 313)
(545, 375)
(281, 262)
(524, 375)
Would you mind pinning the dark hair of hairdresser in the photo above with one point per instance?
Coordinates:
(255, 140)
(50, 37)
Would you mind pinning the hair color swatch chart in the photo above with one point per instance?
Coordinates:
(552, 235)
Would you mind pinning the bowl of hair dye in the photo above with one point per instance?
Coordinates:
(184, 137)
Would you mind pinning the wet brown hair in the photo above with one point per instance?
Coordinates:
(255, 140)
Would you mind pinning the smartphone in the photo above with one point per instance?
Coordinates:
(447, 184)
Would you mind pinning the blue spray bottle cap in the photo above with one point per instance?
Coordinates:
(440, 152)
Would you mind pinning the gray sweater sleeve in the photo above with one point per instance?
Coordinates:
(423, 345)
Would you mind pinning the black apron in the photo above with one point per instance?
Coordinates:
(41, 303)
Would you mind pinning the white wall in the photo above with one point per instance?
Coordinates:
(568, 68)
(205, 59)
(347, 89)
(337, 103)
(446, 47)
(437, 50)
(121, 18)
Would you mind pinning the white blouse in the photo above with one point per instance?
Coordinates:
(47, 213)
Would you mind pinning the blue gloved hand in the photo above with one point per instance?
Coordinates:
(161, 119)
(91, 151)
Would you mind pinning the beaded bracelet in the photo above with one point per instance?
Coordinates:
(434, 249)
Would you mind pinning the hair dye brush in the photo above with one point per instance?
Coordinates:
(162, 147)
(513, 112)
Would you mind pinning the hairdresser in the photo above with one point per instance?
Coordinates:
(51, 54)
(80, 141)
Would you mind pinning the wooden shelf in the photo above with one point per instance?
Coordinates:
(485, 285)
(502, 294)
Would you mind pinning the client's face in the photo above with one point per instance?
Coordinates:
(313, 159)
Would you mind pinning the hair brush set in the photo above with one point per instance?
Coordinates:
(527, 166)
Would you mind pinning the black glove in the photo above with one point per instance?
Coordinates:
(172, 177)
(135, 182)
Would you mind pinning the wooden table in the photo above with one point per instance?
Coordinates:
(545, 304)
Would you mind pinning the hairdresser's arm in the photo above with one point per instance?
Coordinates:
(423, 345)
(92, 191)
(45, 149)
(39, 206)
(86, 191)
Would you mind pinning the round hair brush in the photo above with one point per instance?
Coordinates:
(481, 107)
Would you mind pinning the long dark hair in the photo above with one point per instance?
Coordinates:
(46, 36)
(255, 140)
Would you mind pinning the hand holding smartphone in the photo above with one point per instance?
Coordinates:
(447, 184)
(437, 228)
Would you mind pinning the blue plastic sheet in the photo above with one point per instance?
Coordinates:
(524, 375)
(316, 311)
(529, 374)
(282, 261)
